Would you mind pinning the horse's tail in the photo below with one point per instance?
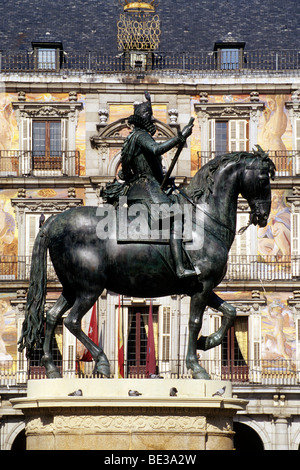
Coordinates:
(34, 316)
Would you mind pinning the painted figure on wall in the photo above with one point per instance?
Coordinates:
(275, 238)
(278, 331)
(6, 127)
(7, 231)
(275, 123)
(4, 308)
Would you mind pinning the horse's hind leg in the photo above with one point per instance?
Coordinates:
(73, 322)
(52, 317)
(229, 314)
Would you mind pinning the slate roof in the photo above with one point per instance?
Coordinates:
(186, 25)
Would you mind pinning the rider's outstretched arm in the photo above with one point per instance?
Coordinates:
(148, 143)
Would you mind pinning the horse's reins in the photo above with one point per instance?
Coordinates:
(204, 211)
(207, 214)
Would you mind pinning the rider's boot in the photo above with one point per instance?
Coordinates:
(176, 248)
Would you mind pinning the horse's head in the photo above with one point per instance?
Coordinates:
(255, 186)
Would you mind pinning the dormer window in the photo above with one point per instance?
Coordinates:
(230, 59)
(229, 53)
(46, 59)
(48, 56)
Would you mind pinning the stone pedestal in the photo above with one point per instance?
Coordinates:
(105, 417)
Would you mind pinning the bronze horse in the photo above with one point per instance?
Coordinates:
(86, 264)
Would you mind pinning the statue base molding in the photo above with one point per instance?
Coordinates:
(105, 417)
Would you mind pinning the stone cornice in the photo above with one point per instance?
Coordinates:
(8, 182)
(228, 110)
(163, 84)
(45, 204)
(51, 109)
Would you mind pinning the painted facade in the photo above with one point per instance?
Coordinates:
(274, 131)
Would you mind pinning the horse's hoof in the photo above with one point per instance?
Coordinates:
(198, 372)
(103, 370)
(53, 374)
(201, 375)
(102, 367)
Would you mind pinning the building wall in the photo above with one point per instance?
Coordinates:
(272, 313)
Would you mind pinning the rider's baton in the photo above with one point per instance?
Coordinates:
(173, 162)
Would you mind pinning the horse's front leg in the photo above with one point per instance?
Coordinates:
(229, 314)
(195, 322)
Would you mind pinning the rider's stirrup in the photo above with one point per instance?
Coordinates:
(181, 273)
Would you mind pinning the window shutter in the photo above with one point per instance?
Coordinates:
(166, 334)
(26, 145)
(297, 339)
(239, 262)
(214, 364)
(237, 135)
(26, 134)
(32, 228)
(256, 358)
(295, 233)
(64, 135)
(255, 347)
(211, 135)
(70, 356)
(31, 232)
(64, 146)
(297, 147)
(217, 324)
(297, 128)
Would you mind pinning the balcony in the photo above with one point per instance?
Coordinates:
(239, 268)
(203, 62)
(287, 162)
(267, 268)
(17, 268)
(29, 163)
(265, 372)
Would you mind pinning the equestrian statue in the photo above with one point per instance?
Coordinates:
(86, 262)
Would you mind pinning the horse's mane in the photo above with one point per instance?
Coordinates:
(203, 181)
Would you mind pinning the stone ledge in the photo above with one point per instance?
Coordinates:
(133, 402)
(106, 418)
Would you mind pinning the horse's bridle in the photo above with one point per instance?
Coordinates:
(255, 211)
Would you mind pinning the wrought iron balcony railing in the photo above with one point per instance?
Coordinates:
(287, 162)
(262, 371)
(32, 163)
(278, 61)
(240, 268)
(17, 268)
(264, 268)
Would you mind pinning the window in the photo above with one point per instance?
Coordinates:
(221, 137)
(138, 318)
(228, 136)
(46, 145)
(47, 137)
(229, 53)
(46, 59)
(47, 55)
(235, 351)
(229, 59)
